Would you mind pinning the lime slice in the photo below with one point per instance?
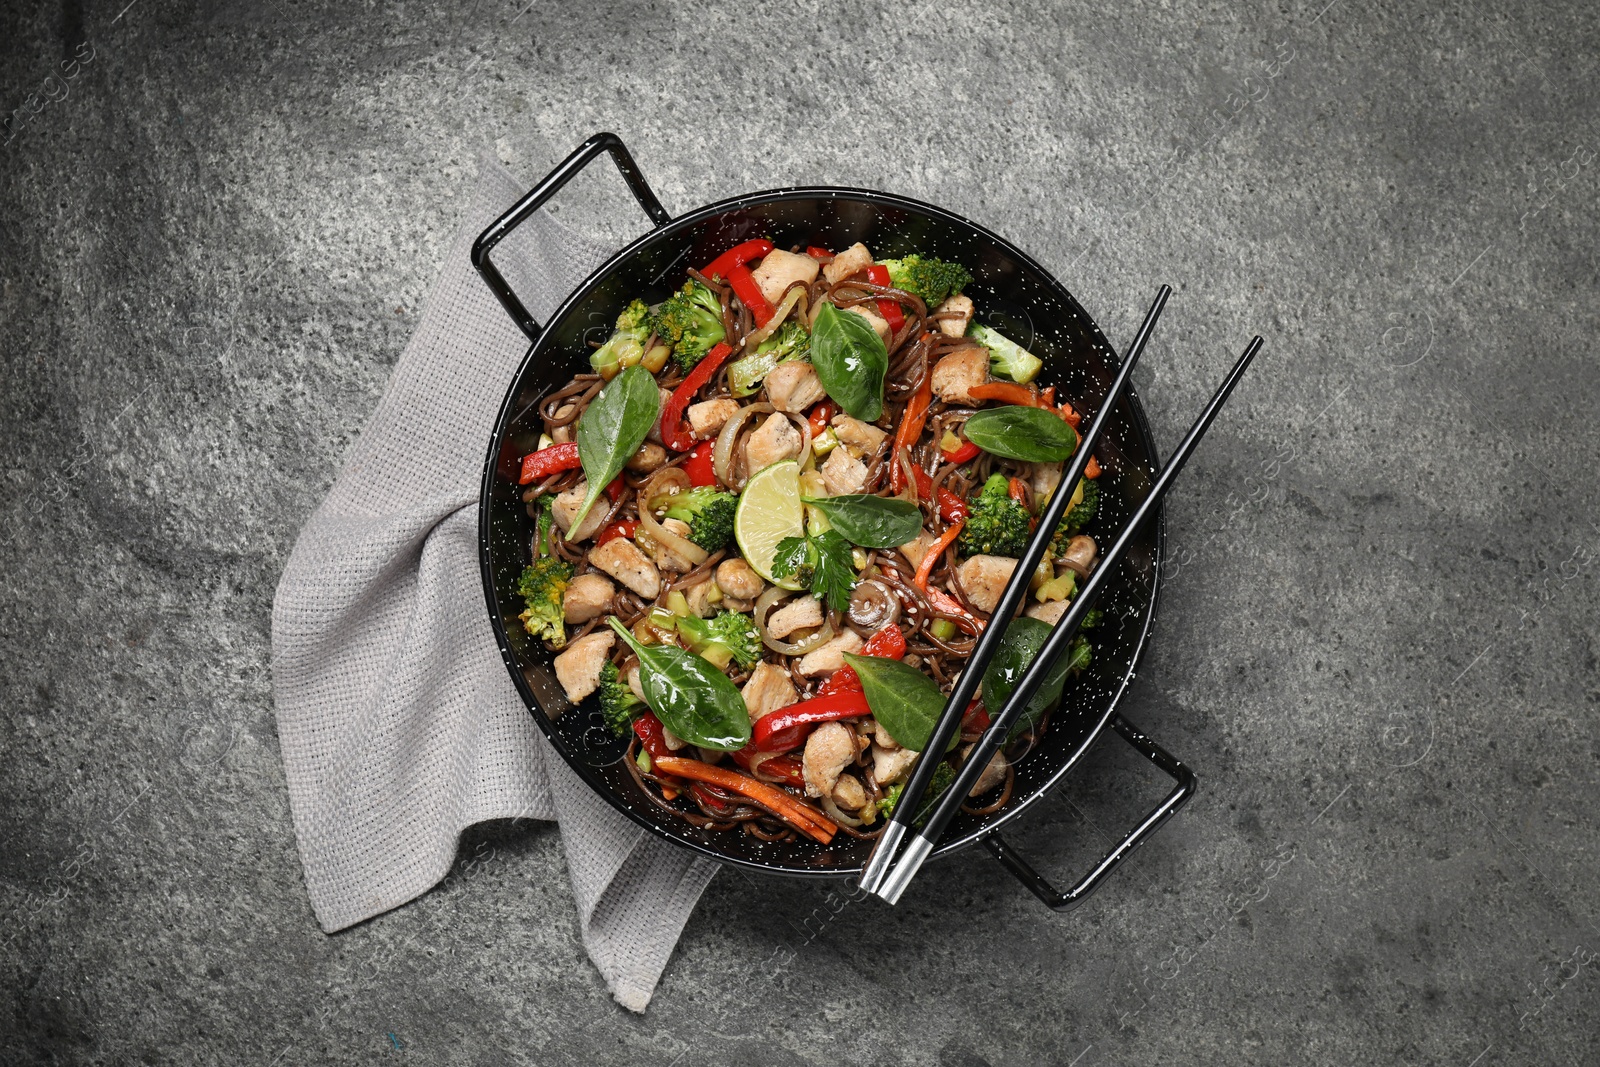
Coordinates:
(769, 510)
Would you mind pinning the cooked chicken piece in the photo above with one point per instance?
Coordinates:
(733, 603)
(588, 595)
(830, 657)
(704, 598)
(794, 386)
(861, 438)
(621, 558)
(665, 558)
(852, 260)
(773, 440)
(1043, 481)
(843, 473)
(876, 321)
(961, 305)
(993, 774)
(768, 689)
(780, 269)
(1049, 612)
(566, 509)
(984, 578)
(655, 427)
(578, 668)
(649, 457)
(829, 750)
(707, 418)
(848, 793)
(672, 740)
(738, 579)
(890, 763)
(913, 551)
(956, 374)
(799, 613)
(881, 737)
(635, 684)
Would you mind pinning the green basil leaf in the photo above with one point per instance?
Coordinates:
(870, 521)
(905, 701)
(691, 697)
(851, 361)
(1033, 435)
(611, 430)
(1018, 647)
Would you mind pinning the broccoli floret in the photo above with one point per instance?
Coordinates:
(709, 513)
(997, 525)
(729, 637)
(1079, 654)
(626, 346)
(1006, 358)
(791, 341)
(932, 279)
(691, 322)
(1077, 517)
(543, 584)
(943, 775)
(618, 706)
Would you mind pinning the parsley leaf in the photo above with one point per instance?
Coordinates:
(822, 563)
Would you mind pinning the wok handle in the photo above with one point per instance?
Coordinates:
(536, 198)
(1017, 865)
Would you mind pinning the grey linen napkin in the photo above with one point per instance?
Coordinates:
(398, 724)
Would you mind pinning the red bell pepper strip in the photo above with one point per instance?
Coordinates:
(749, 293)
(821, 415)
(888, 643)
(1007, 393)
(966, 451)
(976, 717)
(614, 490)
(787, 769)
(818, 253)
(626, 528)
(651, 735)
(783, 730)
(550, 460)
(737, 256)
(674, 433)
(912, 420)
(951, 507)
(947, 605)
(699, 466)
(802, 817)
(878, 274)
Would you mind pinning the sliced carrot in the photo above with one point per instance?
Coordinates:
(925, 569)
(1092, 468)
(802, 817)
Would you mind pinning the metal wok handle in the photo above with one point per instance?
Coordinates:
(1176, 799)
(552, 183)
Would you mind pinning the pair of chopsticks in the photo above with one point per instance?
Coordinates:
(882, 875)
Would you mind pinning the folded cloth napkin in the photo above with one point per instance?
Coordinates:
(398, 724)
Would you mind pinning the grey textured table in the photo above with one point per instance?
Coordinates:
(1377, 646)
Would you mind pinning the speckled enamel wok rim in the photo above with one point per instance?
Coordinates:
(786, 858)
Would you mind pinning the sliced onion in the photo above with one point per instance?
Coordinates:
(795, 294)
(666, 482)
(838, 816)
(722, 454)
(658, 533)
(799, 419)
(755, 766)
(765, 604)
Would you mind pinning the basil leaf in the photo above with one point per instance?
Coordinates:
(1033, 435)
(905, 701)
(612, 428)
(1018, 647)
(691, 697)
(870, 521)
(851, 361)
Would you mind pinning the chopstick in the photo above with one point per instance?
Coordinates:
(892, 885)
(910, 801)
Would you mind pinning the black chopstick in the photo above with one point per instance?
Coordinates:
(910, 801)
(895, 882)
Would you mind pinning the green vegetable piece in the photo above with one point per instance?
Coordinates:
(943, 776)
(626, 345)
(996, 524)
(709, 513)
(612, 428)
(870, 521)
(1018, 647)
(1033, 435)
(690, 320)
(691, 697)
(931, 279)
(905, 701)
(543, 584)
(1077, 517)
(821, 562)
(851, 361)
(730, 637)
(1006, 358)
(789, 343)
(618, 706)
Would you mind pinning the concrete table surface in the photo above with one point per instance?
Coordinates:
(1377, 646)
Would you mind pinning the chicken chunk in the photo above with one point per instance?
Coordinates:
(843, 473)
(961, 305)
(588, 596)
(635, 683)
(794, 386)
(666, 558)
(852, 260)
(889, 764)
(994, 772)
(1043, 481)
(1049, 612)
(621, 558)
(578, 668)
(861, 438)
(738, 579)
(780, 269)
(914, 550)
(704, 598)
(830, 657)
(848, 793)
(829, 750)
(773, 440)
(655, 428)
(649, 457)
(797, 614)
(566, 508)
(879, 324)
(882, 737)
(984, 578)
(768, 689)
(708, 417)
(956, 374)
